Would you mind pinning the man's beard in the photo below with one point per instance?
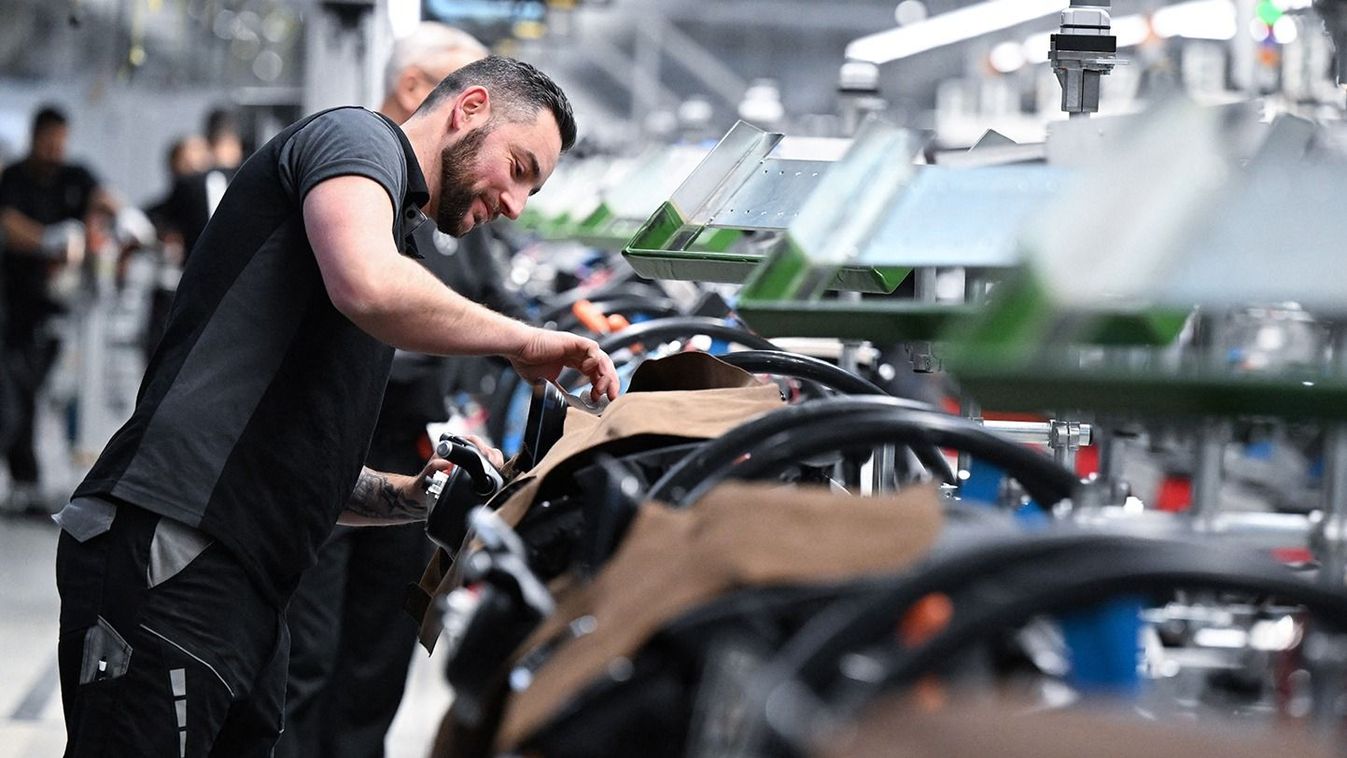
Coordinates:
(456, 194)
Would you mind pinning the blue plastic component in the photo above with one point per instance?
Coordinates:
(1104, 646)
(1259, 451)
(983, 484)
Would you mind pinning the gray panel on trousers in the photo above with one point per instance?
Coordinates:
(172, 547)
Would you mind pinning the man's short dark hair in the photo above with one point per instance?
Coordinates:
(220, 122)
(48, 116)
(517, 89)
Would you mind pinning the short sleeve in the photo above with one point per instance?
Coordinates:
(344, 142)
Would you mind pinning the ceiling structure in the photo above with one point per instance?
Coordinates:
(622, 58)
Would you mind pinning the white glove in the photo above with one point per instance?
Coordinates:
(63, 241)
(133, 227)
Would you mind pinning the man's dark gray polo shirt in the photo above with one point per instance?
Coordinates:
(256, 411)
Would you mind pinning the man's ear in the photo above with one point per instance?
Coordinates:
(407, 90)
(472, 107)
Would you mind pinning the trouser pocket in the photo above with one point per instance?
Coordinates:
(106, 654)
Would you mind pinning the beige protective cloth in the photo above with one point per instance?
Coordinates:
(687, 395)
(739, 535)
(898, 729)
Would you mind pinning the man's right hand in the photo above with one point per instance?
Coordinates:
(545, 353)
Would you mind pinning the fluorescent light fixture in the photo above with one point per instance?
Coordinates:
(1196, 19)
(1199, 19)
(949, 28)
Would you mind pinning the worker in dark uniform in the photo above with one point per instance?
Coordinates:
(188, 156)
(46, 205)
(351, 644)
(196, 195)
(181, 549)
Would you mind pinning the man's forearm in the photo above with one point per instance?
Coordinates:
(408, 308)
(379, 499)
(24, 235)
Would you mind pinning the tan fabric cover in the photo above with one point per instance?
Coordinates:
(897, 729)
(739, 535)
(692, 395)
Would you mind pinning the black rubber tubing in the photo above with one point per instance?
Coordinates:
(794, 365)
(662, 330)
(782, 437)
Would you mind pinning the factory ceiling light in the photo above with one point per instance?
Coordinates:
(948, 28)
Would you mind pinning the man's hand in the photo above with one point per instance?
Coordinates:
(382, 499)
(546, 353)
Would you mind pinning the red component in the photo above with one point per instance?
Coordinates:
(424, 447)
(1176, 494)
(1292, 555)
(1087, 461)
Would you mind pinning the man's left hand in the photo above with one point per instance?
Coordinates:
(546, 353)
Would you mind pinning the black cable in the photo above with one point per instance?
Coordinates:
(787, 435)
(661, 330)
(779, 363)
(820, 372)
(1038, 589)
(555, 308)
(1089, 560)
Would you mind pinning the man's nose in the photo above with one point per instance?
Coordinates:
(511, 205)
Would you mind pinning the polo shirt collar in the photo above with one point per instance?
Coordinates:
(418, 194)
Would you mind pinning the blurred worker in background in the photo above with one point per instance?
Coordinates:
(182, 548)
(224, 140)
(350, 641)
(196, 195)
(187, 157)
(46, 207)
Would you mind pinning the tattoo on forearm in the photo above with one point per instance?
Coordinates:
(377, 498)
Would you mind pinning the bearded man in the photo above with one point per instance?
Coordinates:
(180, 551)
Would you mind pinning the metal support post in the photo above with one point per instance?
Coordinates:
(1212, 436)
(1111, 449)
(920, 351)
(971, 410)
(974, 293)
(883, 470)
(1212, 433)
(1333, 537)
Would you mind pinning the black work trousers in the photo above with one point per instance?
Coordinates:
(193, 666)
(28, 359)
(351, 642)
